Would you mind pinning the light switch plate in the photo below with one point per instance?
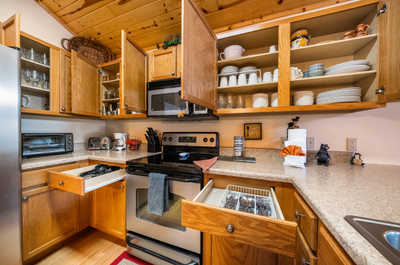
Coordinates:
(351, 145)
(310, 143)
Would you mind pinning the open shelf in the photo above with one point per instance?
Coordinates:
(331, 80)
(35, 89)
(35, 65)
(248, 88)
(258, 60)
(111, 83)
(331, 49)
(325, 107)
(110, 100)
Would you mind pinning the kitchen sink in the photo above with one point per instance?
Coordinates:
(384, 236)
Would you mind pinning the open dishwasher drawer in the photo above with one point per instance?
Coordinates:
(72, 181)
(253, 217)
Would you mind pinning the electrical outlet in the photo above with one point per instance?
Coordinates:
(351, 145)
(310, 143)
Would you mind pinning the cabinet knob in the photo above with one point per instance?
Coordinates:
(298, 214)
(25, 198)
(304, 261)
(230, 229)
(61, 183)
(122, 186)
(173, 73)
(62, 108)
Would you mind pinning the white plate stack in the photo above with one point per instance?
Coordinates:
(348, 67)
(349, 94)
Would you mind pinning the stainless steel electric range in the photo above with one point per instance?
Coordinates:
(162, 239)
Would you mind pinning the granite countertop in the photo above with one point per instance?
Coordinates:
(102, 155)
(332, 192)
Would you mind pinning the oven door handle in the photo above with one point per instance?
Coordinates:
(194, 179)
(155, 254)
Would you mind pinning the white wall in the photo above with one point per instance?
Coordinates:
(37, 22)
(378, 131)
(34, 20)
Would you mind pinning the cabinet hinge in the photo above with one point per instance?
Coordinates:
(25, 198)
(380, 91)
(382, 10)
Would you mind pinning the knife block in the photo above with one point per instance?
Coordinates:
(153, 147)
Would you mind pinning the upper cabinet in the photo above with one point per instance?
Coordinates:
(84, 86)
(165, 64)
(10, 30)
(133, 76)
(389, 39)
(340, 47)
(40, 66)
(199, 53)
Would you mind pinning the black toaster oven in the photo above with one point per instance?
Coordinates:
(41, 144)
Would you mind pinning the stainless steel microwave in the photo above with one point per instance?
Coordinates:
(41, 144)
(164, 100)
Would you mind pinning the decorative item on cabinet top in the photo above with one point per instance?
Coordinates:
(93, 50)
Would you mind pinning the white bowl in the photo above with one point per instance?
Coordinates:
(232, 52)
(302, 98)
(229, 69)
(260, 100)
(248, 68)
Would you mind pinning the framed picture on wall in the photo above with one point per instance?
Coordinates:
(252, 131)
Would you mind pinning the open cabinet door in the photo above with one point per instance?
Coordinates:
(199, 55)
(84, 86)
(10, 30)
(133, 76)
(389, 39)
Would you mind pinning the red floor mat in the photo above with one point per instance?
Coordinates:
(126, 256)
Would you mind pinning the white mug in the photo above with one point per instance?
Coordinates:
(253, 79)
(242, 80)
(223, 82)
(267, 77)
(272, 48)
(232, 80)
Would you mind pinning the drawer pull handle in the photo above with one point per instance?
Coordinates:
(298, 214)
(172, 73)
(305, 262)
(61, 183)
(230, 229)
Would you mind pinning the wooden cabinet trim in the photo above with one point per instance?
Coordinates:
(303, 251)
(329, 251)
(65, 82)
(10, 31)
(284, 65)
(307, 221)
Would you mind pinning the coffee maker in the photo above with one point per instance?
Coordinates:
(119, 141)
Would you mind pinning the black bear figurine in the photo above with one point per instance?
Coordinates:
(323, 156)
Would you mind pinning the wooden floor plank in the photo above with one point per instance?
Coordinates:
(91, 248)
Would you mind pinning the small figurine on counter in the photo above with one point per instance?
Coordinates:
(323, 156)
(356, 160)
(293, 123)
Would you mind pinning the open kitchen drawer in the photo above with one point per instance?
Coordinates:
(207, 214)
(71, 180)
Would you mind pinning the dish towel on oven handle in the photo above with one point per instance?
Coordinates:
(157, 196)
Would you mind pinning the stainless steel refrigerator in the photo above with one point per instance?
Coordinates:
(10, 161)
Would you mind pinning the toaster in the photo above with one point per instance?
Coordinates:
(99, 143)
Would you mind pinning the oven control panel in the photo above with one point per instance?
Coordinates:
(191, 139)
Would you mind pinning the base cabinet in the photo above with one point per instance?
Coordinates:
(48, 217)
(108, 209)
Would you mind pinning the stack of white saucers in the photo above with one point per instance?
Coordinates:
(348, 67)
(349, 94)
(302, 98)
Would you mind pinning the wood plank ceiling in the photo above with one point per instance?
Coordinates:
(148, 22)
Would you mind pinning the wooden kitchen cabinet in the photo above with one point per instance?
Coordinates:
(306, 220)
(165, 63)
(10, 32)
(108, 209)
(378, 84)
(48, 217)
(304, 254)
(329, 251)
(65, 82)
(40, 81)
(199, 52)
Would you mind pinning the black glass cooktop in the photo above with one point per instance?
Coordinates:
(170, 164)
